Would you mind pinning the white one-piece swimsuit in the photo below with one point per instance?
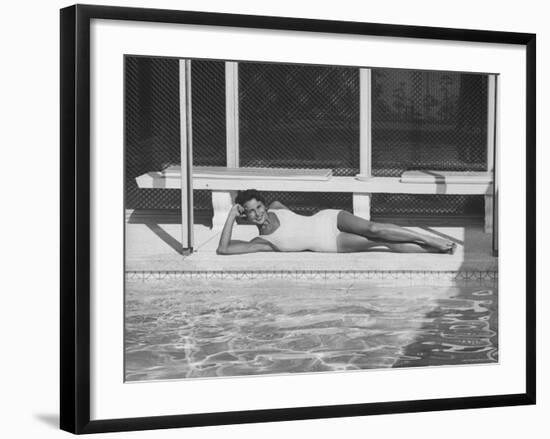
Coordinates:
(297, 233)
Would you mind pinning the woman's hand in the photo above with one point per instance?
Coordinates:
(225, 238)
(236, 211)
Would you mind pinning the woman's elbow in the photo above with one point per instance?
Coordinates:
(224, 251)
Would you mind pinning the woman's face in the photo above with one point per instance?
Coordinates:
(255, 211)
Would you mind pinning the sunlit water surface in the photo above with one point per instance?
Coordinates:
(199, 328)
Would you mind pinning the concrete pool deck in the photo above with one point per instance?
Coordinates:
(153, 241)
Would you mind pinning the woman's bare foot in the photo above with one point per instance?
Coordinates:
(452, 249)
(443, 245)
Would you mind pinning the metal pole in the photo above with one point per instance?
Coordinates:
(232, 113)
(186, 148)
(365, 122)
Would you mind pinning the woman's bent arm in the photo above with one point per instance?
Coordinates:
(239, 247)
(225, 238)
(228, 247)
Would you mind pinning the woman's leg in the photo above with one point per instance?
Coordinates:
(351, 243)
(390, 233)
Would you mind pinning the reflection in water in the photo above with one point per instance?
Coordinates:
(200, 328)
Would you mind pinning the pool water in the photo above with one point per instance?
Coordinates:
(177, 329)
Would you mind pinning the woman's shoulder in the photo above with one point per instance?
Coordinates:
(277, 205)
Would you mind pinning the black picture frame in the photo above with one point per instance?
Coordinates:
(75, 217)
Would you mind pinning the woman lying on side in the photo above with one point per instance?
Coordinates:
(329, 230)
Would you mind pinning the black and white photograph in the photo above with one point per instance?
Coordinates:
(276, 218)
(295, 218)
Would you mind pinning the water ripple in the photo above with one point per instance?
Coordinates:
(258, 327)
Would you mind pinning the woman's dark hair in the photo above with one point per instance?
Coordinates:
(247, 195)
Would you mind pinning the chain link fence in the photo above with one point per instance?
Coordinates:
(152, 127)
(428, 120)
(396, 205)
(209, 134)
(299, 116)
(296, 116)
(302, 116)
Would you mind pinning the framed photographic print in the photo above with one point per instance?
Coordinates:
(272, 218)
